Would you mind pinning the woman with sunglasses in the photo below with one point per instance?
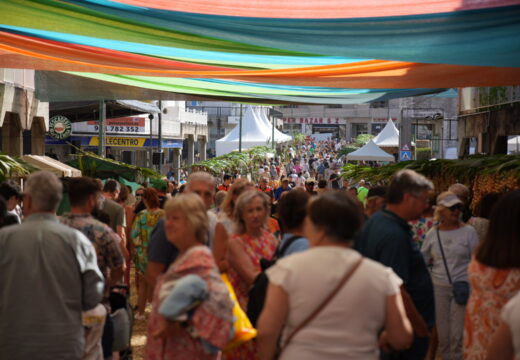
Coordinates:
(448, 248)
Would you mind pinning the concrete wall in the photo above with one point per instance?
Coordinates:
(20, 110)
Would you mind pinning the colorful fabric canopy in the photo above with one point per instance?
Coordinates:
(284, 50)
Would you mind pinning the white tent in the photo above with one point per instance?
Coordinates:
(513, 144)
(278, 135)
(256, 131)
(388, 137)
(49, 164)
(370, 152)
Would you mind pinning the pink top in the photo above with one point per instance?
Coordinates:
(211, 320)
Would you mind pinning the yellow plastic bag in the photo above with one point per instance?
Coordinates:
(243, 329)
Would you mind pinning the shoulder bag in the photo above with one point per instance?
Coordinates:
(460, 288)
(321, 306)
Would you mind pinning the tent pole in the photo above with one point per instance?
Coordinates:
(240, 131)
(101, 126)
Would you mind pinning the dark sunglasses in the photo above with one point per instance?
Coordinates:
(139, 194)
(456, 207)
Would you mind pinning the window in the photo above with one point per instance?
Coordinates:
(379, 104)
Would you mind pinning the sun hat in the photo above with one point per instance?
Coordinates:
(448, 199)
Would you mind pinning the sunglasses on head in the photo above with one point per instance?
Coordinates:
(456, 207)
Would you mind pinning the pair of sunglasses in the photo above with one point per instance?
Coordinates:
(456, 207)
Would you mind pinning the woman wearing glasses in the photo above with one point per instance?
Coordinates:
(448, 248)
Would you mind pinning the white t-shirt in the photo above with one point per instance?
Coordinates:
(349, 325)
(511, 316)
(458, 246)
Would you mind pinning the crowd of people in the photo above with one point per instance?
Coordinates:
(353, 270)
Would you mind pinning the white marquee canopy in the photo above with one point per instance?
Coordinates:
(388, 137)
(370, 152)
(256, 131)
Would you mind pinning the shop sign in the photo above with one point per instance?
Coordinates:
(60, 127)
(315, 120)
(119, 141)
(130, 124)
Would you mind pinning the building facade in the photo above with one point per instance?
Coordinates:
(428, 118)
(24, 119)
(148, 140)
(488, 117)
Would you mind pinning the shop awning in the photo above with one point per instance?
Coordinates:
(77, 111)
(49, 164)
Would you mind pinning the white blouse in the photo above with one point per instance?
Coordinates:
(348, 327)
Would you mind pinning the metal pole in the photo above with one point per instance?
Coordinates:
(150, 148)
(240, 131)
(101, 130)
(159, 130)
(272, 139)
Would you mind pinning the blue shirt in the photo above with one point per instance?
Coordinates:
(300, 244)
(387, 238)
(278, 192)
(160, 250)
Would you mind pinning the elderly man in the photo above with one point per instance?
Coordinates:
(386, 238)
(48, 276)
(162, 253)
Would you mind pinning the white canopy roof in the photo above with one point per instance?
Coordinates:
(389, 136)
(513, 144)
(49, 164)
(370, 152)
(256, 131)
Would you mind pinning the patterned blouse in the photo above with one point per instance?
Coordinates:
(420, 228)
(256, 248)
(211, 321)
(143, 225)
(491, 289)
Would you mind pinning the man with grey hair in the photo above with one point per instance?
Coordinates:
(162, 253)
(48, 276)
(386, 238)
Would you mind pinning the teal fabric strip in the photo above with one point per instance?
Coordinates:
(485, 37)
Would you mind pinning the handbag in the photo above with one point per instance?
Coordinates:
(243, 331)
(460, 289)
(321, 306)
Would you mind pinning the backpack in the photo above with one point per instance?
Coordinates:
(258, 290)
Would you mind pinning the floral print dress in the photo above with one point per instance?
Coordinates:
(256, 248)
(491, 289)
(211, 321)
(143, 225)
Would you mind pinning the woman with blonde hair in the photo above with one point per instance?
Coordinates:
(225, 223)
(250, 242)
(207, 329)
(448, 248)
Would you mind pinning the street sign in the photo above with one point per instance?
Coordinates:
(405, 156)
(405, 148)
